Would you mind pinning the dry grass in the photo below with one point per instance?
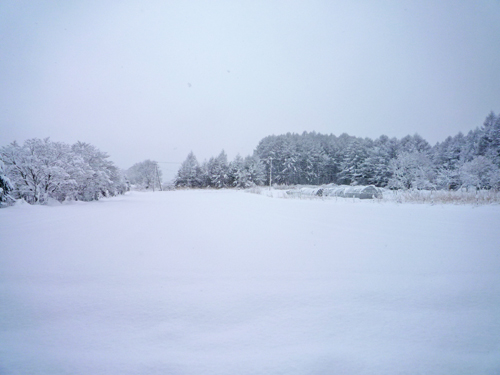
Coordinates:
(480, 197)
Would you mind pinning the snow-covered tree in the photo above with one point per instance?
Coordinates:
(489, 143)
(96, 176)
(411, 170)
(495, 178)
(480, 173)
(237, 176)
(330, 164)
(310, 159)
(413, 143)
(375, 167)
(287, 163)
(204, 174)
(281, 149)
(313, 158)
(352, 167)
(219, 171)
(447, 178)
(39, 169)
(42, 169)
(6, 187)
(189, 174)
(145, 175)
(255, 171)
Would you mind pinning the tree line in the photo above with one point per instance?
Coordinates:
(39, 170)
(471, 160)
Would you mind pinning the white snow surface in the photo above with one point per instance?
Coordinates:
(226, 282)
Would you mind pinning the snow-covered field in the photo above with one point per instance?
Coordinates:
(226, 282)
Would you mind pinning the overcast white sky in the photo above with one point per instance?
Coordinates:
(157, 79)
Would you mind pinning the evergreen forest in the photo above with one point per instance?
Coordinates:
(311, 158)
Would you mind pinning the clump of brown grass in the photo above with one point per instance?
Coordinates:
(475, 197)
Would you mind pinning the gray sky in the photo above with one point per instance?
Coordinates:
(157, 79)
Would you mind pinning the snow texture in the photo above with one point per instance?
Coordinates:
(225, 282)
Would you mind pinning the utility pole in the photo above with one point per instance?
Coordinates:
(158, 176)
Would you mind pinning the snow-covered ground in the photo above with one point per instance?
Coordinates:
(226, 282)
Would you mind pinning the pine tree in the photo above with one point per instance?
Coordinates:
(489, 143)
(237, 176)
(376, 166)
(255, 171)
(218, 171)
(352, 171)
(189, 174)
(6, 188)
